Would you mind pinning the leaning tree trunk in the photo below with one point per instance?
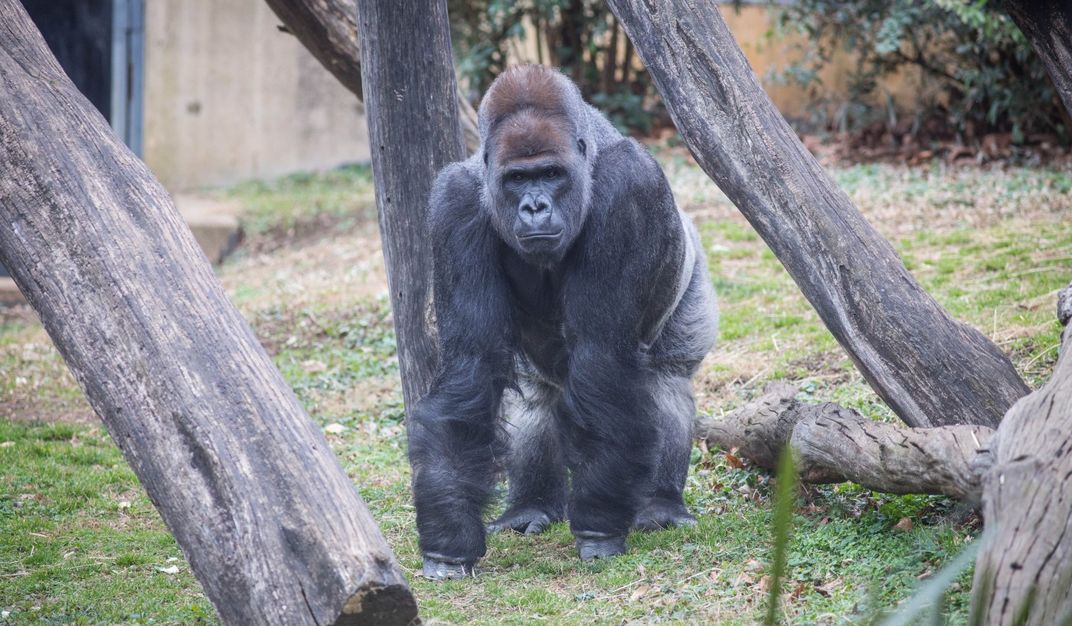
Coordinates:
(328, 29)
(413, 131)
(929, 368)
(1022, 471)
(269, 522)
(1047, 24)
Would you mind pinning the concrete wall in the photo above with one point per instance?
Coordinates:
(228, 97)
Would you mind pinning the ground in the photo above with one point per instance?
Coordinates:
(81, 543)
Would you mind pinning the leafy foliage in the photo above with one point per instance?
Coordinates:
(581, 37)
(978, 73)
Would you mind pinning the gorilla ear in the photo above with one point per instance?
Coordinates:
(582, 147)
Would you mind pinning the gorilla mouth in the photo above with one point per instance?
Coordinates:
(538, 236)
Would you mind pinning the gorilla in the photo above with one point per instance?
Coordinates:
(573, 306)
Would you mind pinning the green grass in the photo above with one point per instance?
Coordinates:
(341, 195)
(80, 542)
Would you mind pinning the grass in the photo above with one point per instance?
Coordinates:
(81, 543)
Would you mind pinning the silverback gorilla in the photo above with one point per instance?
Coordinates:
(572, 307)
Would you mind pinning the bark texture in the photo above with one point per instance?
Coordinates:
(409, 84)
(1027, 505)
(328, 29)
(269, 522)
(931, 369)
(1047, 24)
(834, 444)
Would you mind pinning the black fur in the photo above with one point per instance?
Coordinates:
(591, 334)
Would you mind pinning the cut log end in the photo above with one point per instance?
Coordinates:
(379, 605)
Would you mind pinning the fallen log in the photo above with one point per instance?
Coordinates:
(833, 444)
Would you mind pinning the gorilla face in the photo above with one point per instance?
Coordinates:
(538, 181)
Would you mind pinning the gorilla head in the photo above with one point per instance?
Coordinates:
(537, 162)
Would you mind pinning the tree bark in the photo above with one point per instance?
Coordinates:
(328, 29)
(1027, 502)
(833, 444)
(414, 132)
(929, 368)
(1047, 24)
(269, 522)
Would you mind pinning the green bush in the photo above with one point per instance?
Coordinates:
(979, 74)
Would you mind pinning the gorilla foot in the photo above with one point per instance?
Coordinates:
(659, 514)
(438, 568)
(525, 520)
(593, 545)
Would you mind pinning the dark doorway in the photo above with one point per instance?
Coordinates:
(99, 44)
(79, 33)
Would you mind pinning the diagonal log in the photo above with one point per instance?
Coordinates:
(1047, 24)
(929, 368)
(271, 526)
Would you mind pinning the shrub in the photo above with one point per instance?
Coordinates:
(978, 73)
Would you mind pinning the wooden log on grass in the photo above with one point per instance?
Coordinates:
(267, 518)
(833, 444)
(930, 369)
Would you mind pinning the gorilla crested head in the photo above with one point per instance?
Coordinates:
(537, 156)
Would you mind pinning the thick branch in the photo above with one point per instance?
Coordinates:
(272, 527)
(834, 444)
(328, 29)
(929, 368)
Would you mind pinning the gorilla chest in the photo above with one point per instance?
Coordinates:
(539, 313)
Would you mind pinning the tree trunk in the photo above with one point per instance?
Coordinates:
(328, 29)
(414, 132)
(929, 368)
(1027, 502)
(1023, 471)
(269, 522)
(1047, 24)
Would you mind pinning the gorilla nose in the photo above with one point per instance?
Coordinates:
(535, 212)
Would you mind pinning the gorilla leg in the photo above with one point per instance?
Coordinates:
(536, 469)
(606, 419)
(453, 448)
(665, 507)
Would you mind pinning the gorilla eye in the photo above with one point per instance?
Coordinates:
(550, 173)
(517, 177)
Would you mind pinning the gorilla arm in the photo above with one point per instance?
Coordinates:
(622, 276)
(452, 437)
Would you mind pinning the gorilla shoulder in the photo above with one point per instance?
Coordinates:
(455, 197)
